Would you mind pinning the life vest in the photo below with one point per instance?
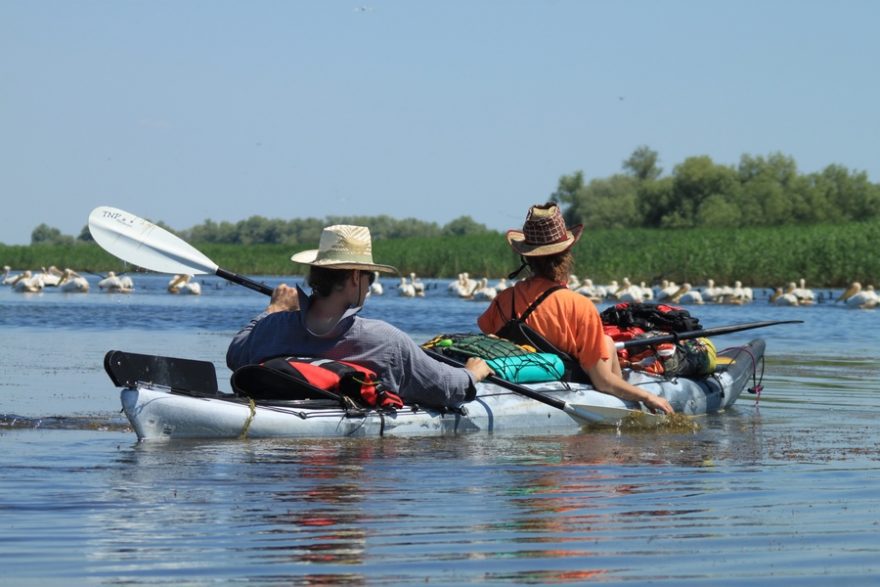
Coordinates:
(628, 321)
(298, 378)
(662, 317)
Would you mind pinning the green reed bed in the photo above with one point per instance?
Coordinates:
(825, 256)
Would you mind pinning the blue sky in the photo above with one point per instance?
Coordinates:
(186, 110)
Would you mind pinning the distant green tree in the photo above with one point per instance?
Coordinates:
(693, 181)
(568, 195)
(717, 211)
(47, 235)
(612, 202)
(642, 164)
(850, 194)
(463, 226)
(85, 235)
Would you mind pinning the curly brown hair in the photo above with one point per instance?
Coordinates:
(553, 267)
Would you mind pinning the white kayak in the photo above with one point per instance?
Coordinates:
(167, 398)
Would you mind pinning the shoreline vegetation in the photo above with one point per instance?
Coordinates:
(761, 222)
(824, 255)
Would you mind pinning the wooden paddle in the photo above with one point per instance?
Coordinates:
(142, 243)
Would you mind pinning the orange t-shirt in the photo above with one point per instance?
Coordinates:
(567, 319)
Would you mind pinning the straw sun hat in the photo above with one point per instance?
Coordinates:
(544, 233)
(343, 246)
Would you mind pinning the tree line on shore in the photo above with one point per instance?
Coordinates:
(824, 255)
(699, 193)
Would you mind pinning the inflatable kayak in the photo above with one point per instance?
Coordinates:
(167, 398)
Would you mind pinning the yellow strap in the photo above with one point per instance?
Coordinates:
(247, 423)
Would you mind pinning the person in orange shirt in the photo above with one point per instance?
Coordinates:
(543, 304)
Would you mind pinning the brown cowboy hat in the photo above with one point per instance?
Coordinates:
(544, 233)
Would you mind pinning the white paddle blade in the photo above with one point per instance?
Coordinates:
(142, 243)
(610, 416)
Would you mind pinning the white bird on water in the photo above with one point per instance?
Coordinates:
(593, 292)
(8, 277)
(805, 295)
(856, 297)
(462, 287)
(183, 284)
(629, 292)
(406, 289)
(27, 282)
(784, 298)
(483, 292)
(115, 284)
(417, 285)
(686, 295)
(73, 282)
(51, 276)
(376, 288)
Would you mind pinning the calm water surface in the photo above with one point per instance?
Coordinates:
(782, 492)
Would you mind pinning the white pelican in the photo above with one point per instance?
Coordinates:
(9, 278)
(595, 293)
(805, 295)
(115, 284)
(73, 282)
(573, 282)
(666, 290)
(483, 292)
(628, 292)
(28, 283)
(51, 276)
(183, 284)
(784, 298)
(502, 284)
(406, 289)
(417, 284)
(462, 287)
(709, 292)
(736, 295)
(856, 297)
(376, 288)
(686, 295)
(610, 289)
(743, 291)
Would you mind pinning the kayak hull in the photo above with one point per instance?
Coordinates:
(157, 411)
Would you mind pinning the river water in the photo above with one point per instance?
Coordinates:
(780, 491)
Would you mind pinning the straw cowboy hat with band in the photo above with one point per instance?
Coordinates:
(544, 233)
(343, 246)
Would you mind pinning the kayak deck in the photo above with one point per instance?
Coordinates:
(167, 398)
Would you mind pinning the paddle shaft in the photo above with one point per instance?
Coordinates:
(675, 337)
(241, 280)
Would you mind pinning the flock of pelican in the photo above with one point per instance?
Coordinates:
(72, 282)
(794, 294)
(465, 287)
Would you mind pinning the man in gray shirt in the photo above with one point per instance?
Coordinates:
(326, 325)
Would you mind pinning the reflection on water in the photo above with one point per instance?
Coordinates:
(778, 490)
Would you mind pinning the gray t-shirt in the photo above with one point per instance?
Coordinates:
(398, 361)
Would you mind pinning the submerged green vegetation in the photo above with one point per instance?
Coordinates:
(824, 255)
